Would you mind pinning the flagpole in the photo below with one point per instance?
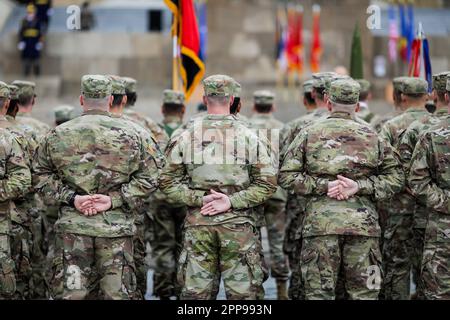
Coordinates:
(175, 55)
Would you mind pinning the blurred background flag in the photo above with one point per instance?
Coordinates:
(202, 14)
(316, 48)
(393, 34)
(356, 60)
(280, 40)
(407, 30)
(421, 52)
(294, 45)
(186, 32)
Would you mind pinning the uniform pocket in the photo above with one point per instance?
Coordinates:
(56, 280)
(129, 280)
(254, 264)
(7, 277)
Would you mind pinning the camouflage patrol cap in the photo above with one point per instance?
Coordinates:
(365, 85)
(308, 86)
(398, 83)
(25, 88)
(220, 85)
(4, 90)
(173, 97)
(130, 85)
(96, 86)
(117, 84)
(237, 89)
(263, 97)
(320, 78)
(13, 92)
(448, 84)
(414, 86)
(440, 81)
(345, 91)
(63, 113)
(329, 80)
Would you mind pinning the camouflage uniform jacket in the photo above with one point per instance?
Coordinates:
(341, 145)
(97, 153)
(214, 154)
(19, 216)
(429, 179)
(268, 121)
(406, 149)
(161, 137)
(394, 129)
(39, 129)
(170, 124)
(15, 176)
(378, 121)
(293, 131)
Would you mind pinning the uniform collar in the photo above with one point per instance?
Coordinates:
(172, 119)
(415, 109)
(220, 117)
(442, 112)
(23, 114)
(3, 118)
(263, 116)
(342, 115)
(96, 112)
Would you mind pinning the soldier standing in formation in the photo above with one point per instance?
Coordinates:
(275, 208)
(168, 218)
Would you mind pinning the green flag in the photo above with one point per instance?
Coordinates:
(356, 62)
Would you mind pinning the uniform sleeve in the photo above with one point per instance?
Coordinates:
(17, 178)
(406, 147)
(389, 179)
(263, 177)
(293, 175)
(420, 178)
(144, 180)
(386, 134)
(172, 181)
(46, 181)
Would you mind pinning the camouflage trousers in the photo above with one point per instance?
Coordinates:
(143, 224)
(228, 251)
(435, 273)
(418, 245)
(323, 258)
(397, 257)
(275, 214)
(166, 247)
(89, 267)
(7, 277)
(21, 245)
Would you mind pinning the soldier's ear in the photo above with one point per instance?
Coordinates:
(124, 100)
(205, 101)
(358, 107)
(447, 98)
(81, 100)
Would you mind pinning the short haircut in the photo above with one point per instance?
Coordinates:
(96, 103)
(13, 108)
(341, 106)
(364, 95)
(217, 100)
(397, 95)
(309, 99)
(235, 105)
(172, 108)
(320, 93)
(264, 108)
(117, 99)
(415, 95)
(131, 98)
(25, 100)
(441, 96)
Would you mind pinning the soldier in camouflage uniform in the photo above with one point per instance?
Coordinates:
(220, 189)
(366, 95)
(406, 149)
(398, 235)
(16, 181)
(339, 177)
(378, 121)
(63, 114)
(21, 221)
(429, 181)
(146, 122)
(101, 170)
(168, 218)
(34, 131)
(275, 208)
